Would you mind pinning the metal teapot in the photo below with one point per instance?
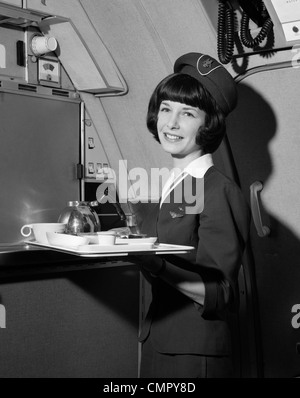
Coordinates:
(80, 217)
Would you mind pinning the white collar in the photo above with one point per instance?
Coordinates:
(198, 167)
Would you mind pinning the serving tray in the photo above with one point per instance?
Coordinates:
(94, 250)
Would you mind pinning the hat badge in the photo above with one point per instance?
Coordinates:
(207, 63)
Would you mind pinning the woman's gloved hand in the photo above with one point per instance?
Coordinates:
(156, 265)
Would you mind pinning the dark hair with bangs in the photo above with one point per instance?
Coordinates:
(179, 87)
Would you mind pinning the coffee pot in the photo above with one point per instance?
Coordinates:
(80, 217)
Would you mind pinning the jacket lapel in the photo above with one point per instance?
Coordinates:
(186, 198)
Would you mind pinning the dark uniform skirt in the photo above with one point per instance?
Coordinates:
(160, 365)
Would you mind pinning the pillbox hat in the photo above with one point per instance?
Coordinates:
(213, 76)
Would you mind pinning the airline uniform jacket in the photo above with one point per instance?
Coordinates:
(218, 230)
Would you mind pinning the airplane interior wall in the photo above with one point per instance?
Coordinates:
(264, 139)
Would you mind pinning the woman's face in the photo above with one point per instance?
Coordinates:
(177, 126)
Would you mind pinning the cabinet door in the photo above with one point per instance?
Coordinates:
(81, 324)
(39, 151)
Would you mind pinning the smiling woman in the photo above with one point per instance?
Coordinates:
(185, 333)
(194, 101)
(178, 125)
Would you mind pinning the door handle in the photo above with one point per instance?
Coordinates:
(262, 230)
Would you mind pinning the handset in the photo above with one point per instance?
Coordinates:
(257, 11)
(251, 9)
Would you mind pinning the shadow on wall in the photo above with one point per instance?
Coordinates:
(276, 270)
(250, 129)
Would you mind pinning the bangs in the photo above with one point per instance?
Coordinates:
(182, 88)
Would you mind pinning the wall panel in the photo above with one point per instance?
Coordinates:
(264, 137)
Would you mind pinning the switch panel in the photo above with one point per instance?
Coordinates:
(96, 162)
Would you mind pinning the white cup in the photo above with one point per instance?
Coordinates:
(43, 44)
(106, 238)
(39, 230)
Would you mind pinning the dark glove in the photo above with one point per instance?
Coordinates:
(151, 263)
